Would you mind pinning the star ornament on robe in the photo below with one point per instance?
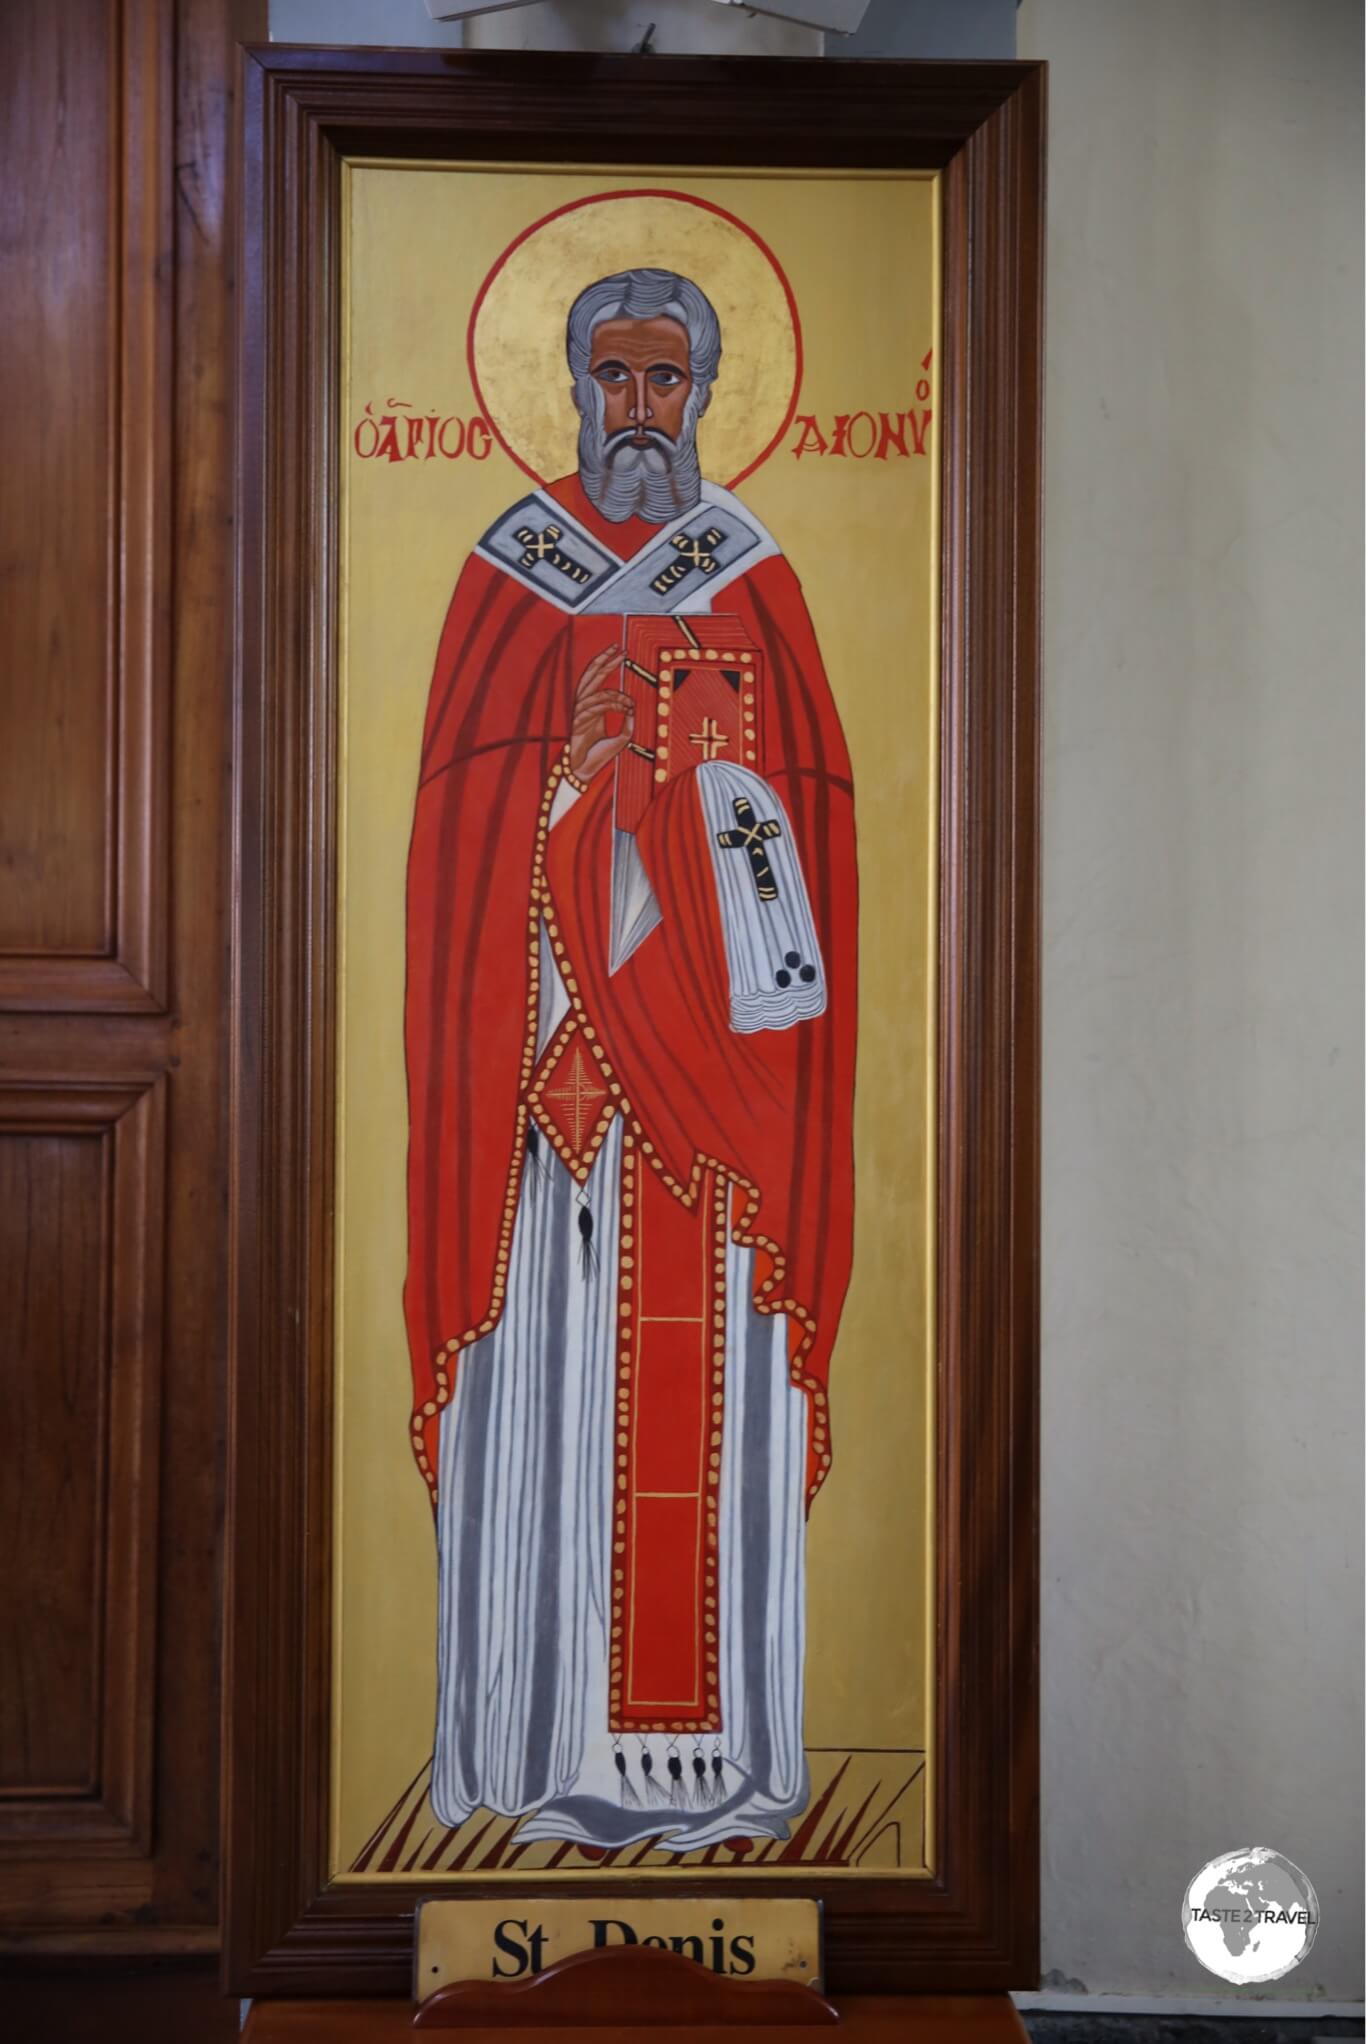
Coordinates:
(579, 1097)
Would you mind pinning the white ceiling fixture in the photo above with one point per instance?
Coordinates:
(460, 10)
(842, 17)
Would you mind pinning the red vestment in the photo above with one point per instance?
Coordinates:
(759, 1125)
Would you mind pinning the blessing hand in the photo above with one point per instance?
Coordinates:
(590, 748)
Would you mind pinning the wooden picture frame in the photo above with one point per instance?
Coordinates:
(973, 1927)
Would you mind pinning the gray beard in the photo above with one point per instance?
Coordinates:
(657, 482)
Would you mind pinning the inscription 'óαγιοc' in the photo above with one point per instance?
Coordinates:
(394, 431)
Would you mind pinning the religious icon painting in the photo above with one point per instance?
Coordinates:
(639, 1017)
(638, 730)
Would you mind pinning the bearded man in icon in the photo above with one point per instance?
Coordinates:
(630, 1025)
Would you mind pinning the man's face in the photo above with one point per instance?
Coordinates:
(642, 368)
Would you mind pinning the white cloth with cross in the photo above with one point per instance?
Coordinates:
(777, 976)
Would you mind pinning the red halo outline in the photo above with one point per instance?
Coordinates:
(601, 199)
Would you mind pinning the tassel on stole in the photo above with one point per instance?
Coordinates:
(588, 1255)
(654, 1791)
(629, 1799)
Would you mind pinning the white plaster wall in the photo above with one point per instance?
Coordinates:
(370, 24)
(1202, 1504)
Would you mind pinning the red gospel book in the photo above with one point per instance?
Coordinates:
(698, 687)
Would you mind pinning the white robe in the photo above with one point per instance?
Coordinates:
(525, 1491)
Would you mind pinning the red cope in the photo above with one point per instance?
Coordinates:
(746, 1133)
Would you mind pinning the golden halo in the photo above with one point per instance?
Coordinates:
(516, 331)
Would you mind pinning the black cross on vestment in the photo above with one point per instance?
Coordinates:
(695, 551)
(750, 837)
(543, 546)
(696, 547)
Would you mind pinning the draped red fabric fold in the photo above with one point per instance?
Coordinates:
(773, 1108)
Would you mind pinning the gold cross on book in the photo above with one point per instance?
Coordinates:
(709, 739)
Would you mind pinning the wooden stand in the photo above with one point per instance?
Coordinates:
(622, 1986)
(601, 1997)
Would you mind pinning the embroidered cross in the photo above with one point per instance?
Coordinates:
(694, 550)
(749, 838)
(709, 739)
(578, 1096)
(544, 546)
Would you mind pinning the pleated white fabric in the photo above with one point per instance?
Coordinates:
(525, 1503)
(525, 1495)
(524, 1516)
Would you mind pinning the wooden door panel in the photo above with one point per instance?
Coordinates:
(53, 1214)
(85, 202)
(81, 1175)
(55, 483)
(116, 604)
(52, 1309)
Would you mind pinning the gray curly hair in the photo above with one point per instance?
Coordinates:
(646, 294)
(665, 479)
